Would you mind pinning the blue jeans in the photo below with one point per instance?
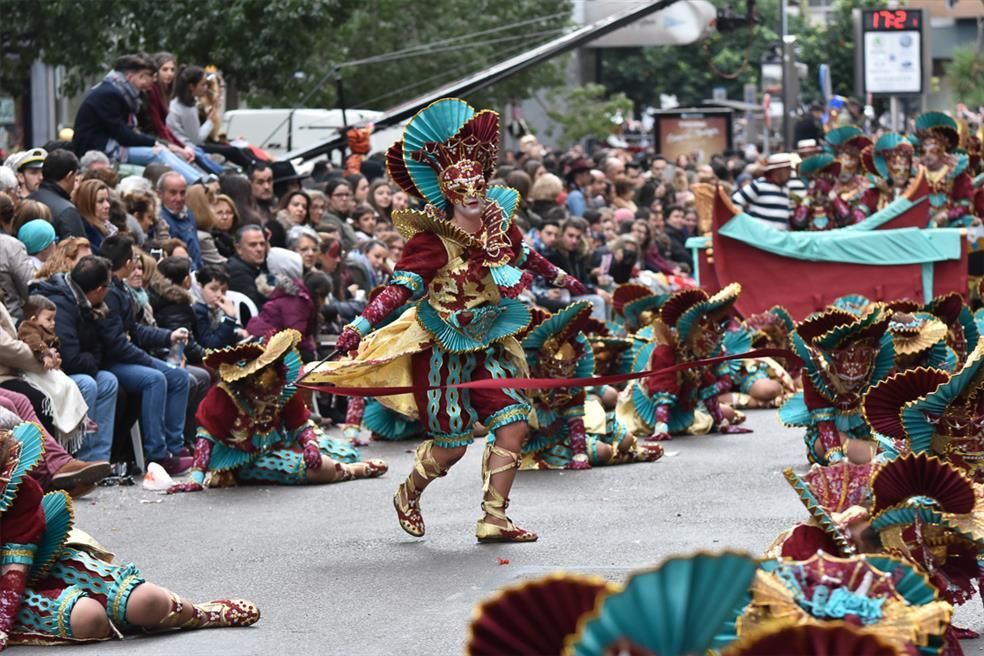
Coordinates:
(144, 155)
(164, 391)
(100, 395)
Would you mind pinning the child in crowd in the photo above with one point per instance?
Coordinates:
(37, 330)
(215, 318)
(171, 298)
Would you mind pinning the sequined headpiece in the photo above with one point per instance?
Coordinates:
(937, 125)
(447, 154)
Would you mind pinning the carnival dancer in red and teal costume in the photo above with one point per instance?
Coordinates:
(843, 356)
(821, 208)
(847, 144)
(962, 334)
(558, 348)
(891, 166)
(463, 266)
(690, 327)
(951, 187)
(837, 498)
(59, 586)
(928, 410)
(253, 426)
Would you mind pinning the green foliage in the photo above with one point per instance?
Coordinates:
(834, 46)
(691, 72)
(966, 73)
(275, 52)
(588, 112)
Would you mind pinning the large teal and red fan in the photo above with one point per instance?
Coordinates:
(535, 616)
(674, 609)
(883, 404)
(925, 477)
(832, 639)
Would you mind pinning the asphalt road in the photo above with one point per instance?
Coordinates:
(333, 573)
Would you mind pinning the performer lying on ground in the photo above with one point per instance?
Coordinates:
(255, 428)
(691, 327)
(58, 585)
(574, 430)
(460, 261)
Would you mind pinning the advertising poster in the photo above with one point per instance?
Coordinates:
(706, 132)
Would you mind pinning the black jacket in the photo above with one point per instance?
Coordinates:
(242, 279)
(678, 240)
(65, 216)
(104, 115)
(575, 264)
(77, 325)
(125, 341)
(213, 337)
(172, 309)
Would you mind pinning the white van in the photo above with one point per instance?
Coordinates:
(278, 131)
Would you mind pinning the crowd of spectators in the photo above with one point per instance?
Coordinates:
(142, 242)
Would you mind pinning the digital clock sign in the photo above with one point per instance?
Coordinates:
(891, 20)
(892, 51)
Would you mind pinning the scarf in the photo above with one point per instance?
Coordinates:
(125, 89)
(97, 312)
(142, 299)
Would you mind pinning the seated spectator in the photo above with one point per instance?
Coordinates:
(173, 190)
(625, 192)
(37, 330)
(171, 300)
(142, 206)
(191, 84)
(249, 262)
(78, 298)
(360, 188)
(261, 191)
(340, 205)
(107, 117)
(38, 237)
(57, 184)
(545, 238)
(366, 265)
(158, 95)
(125, 353)
(304, 241)
(380, 197)
(364, 223)
(226, 224)
(570, 256)
(215, 315)
(525, 217)
(93, 161)
(676, 229)
(341, 306)
(59, 470)
(168, 248)
(394, 245)
(16, 272)
(293, 210)
(65, 256)
(200, 207)
(27, 167)
(289, 302)
(92, 199)
(6, 208)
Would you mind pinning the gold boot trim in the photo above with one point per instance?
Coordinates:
(495, 503)
(407, 497)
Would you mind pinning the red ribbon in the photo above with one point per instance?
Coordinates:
(550, 383)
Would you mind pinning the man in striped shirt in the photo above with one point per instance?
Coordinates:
(768, 198)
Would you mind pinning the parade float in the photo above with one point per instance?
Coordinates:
(888, 255)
